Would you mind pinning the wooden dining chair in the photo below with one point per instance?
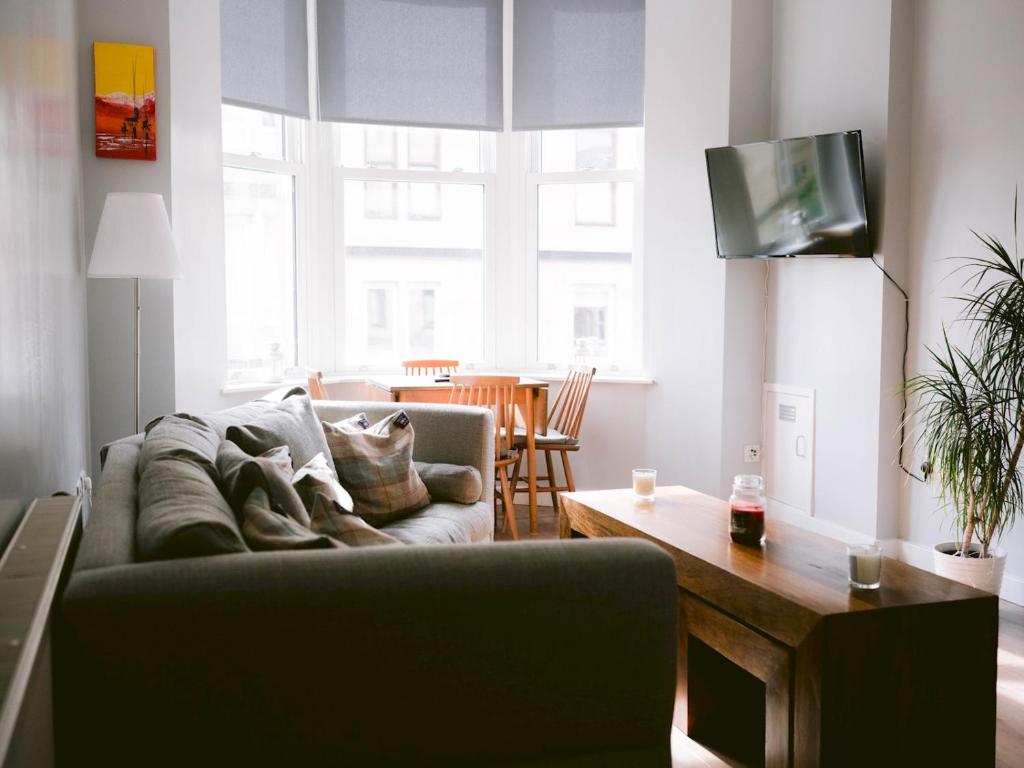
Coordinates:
(430, 367)
(315, 386)
(498, 394)
(565, 420)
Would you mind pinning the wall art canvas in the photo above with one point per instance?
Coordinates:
(125, 101)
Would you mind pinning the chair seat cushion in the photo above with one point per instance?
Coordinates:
(553, 437)
(445, 523)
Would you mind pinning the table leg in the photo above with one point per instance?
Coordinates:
(531, 458)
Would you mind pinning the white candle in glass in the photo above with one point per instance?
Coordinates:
(644, 483)
(865, 565)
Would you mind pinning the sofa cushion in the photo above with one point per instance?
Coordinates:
(291, 422)
(450, 482)
(272, 471)
(445, 523)
(182, 512)
(375, 466)
(266, 529)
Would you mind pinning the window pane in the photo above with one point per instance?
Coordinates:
(251, 132)
(414, 286)
(585, 274)
(380, 199)
(259, 238)
(425, 202)
(427, 149)
(595, 204)
(590, 150)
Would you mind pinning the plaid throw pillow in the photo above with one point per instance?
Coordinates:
(330, 507)
(375, 466)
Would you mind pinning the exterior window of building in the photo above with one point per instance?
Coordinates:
(380, 321)
(380, 199)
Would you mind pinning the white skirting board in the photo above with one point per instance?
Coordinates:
(914, 554)
(921, 557)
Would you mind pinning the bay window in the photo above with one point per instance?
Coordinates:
(351, 246)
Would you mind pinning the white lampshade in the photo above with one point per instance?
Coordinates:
(134, 238)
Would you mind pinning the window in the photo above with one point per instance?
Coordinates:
(582, 213)
(380, 200)
(433, 252)
(352, 247)
(261, 182)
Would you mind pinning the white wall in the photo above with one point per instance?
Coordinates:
(197, 194)
(967, 159)
(110, 311)
(43, 393)
(750, 91)
(687, 110)
(831, 72)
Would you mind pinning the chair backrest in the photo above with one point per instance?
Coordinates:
(496, 393)
(315, 385)
(567, 411)
(430, 367)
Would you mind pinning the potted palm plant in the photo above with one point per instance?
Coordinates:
(970, 411)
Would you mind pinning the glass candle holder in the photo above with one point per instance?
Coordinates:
(865, 565)
(644, 483)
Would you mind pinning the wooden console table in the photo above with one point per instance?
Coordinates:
(782, 664)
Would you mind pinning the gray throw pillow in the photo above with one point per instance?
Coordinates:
(182, 512)
(292, 422)
(265, 529)
(450, 482)
(271, 470)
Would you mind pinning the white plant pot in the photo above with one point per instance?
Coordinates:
(985, 574)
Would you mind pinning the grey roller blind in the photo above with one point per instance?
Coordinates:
(263, 55)
(411, 62)
(578, 64)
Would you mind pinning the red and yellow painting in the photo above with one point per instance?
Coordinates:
(125, 101)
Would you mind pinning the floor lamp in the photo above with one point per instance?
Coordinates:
(134, 241)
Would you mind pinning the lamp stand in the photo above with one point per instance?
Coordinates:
(137, 324)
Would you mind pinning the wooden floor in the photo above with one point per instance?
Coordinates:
(1009, 687)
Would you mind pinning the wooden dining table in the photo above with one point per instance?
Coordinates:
(531, 397)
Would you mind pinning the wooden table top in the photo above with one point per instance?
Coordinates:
(797, 572)
(396, 382)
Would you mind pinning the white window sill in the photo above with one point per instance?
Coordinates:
(240, 387)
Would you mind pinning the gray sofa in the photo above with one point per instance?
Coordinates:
(558, 653)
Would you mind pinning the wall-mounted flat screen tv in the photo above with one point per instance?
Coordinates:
(795, 197)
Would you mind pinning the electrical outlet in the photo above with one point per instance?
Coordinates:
(751, 454)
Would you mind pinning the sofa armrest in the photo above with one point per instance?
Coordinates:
(445, 434)
(461, 655)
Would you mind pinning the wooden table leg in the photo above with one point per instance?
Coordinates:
(531, 458)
